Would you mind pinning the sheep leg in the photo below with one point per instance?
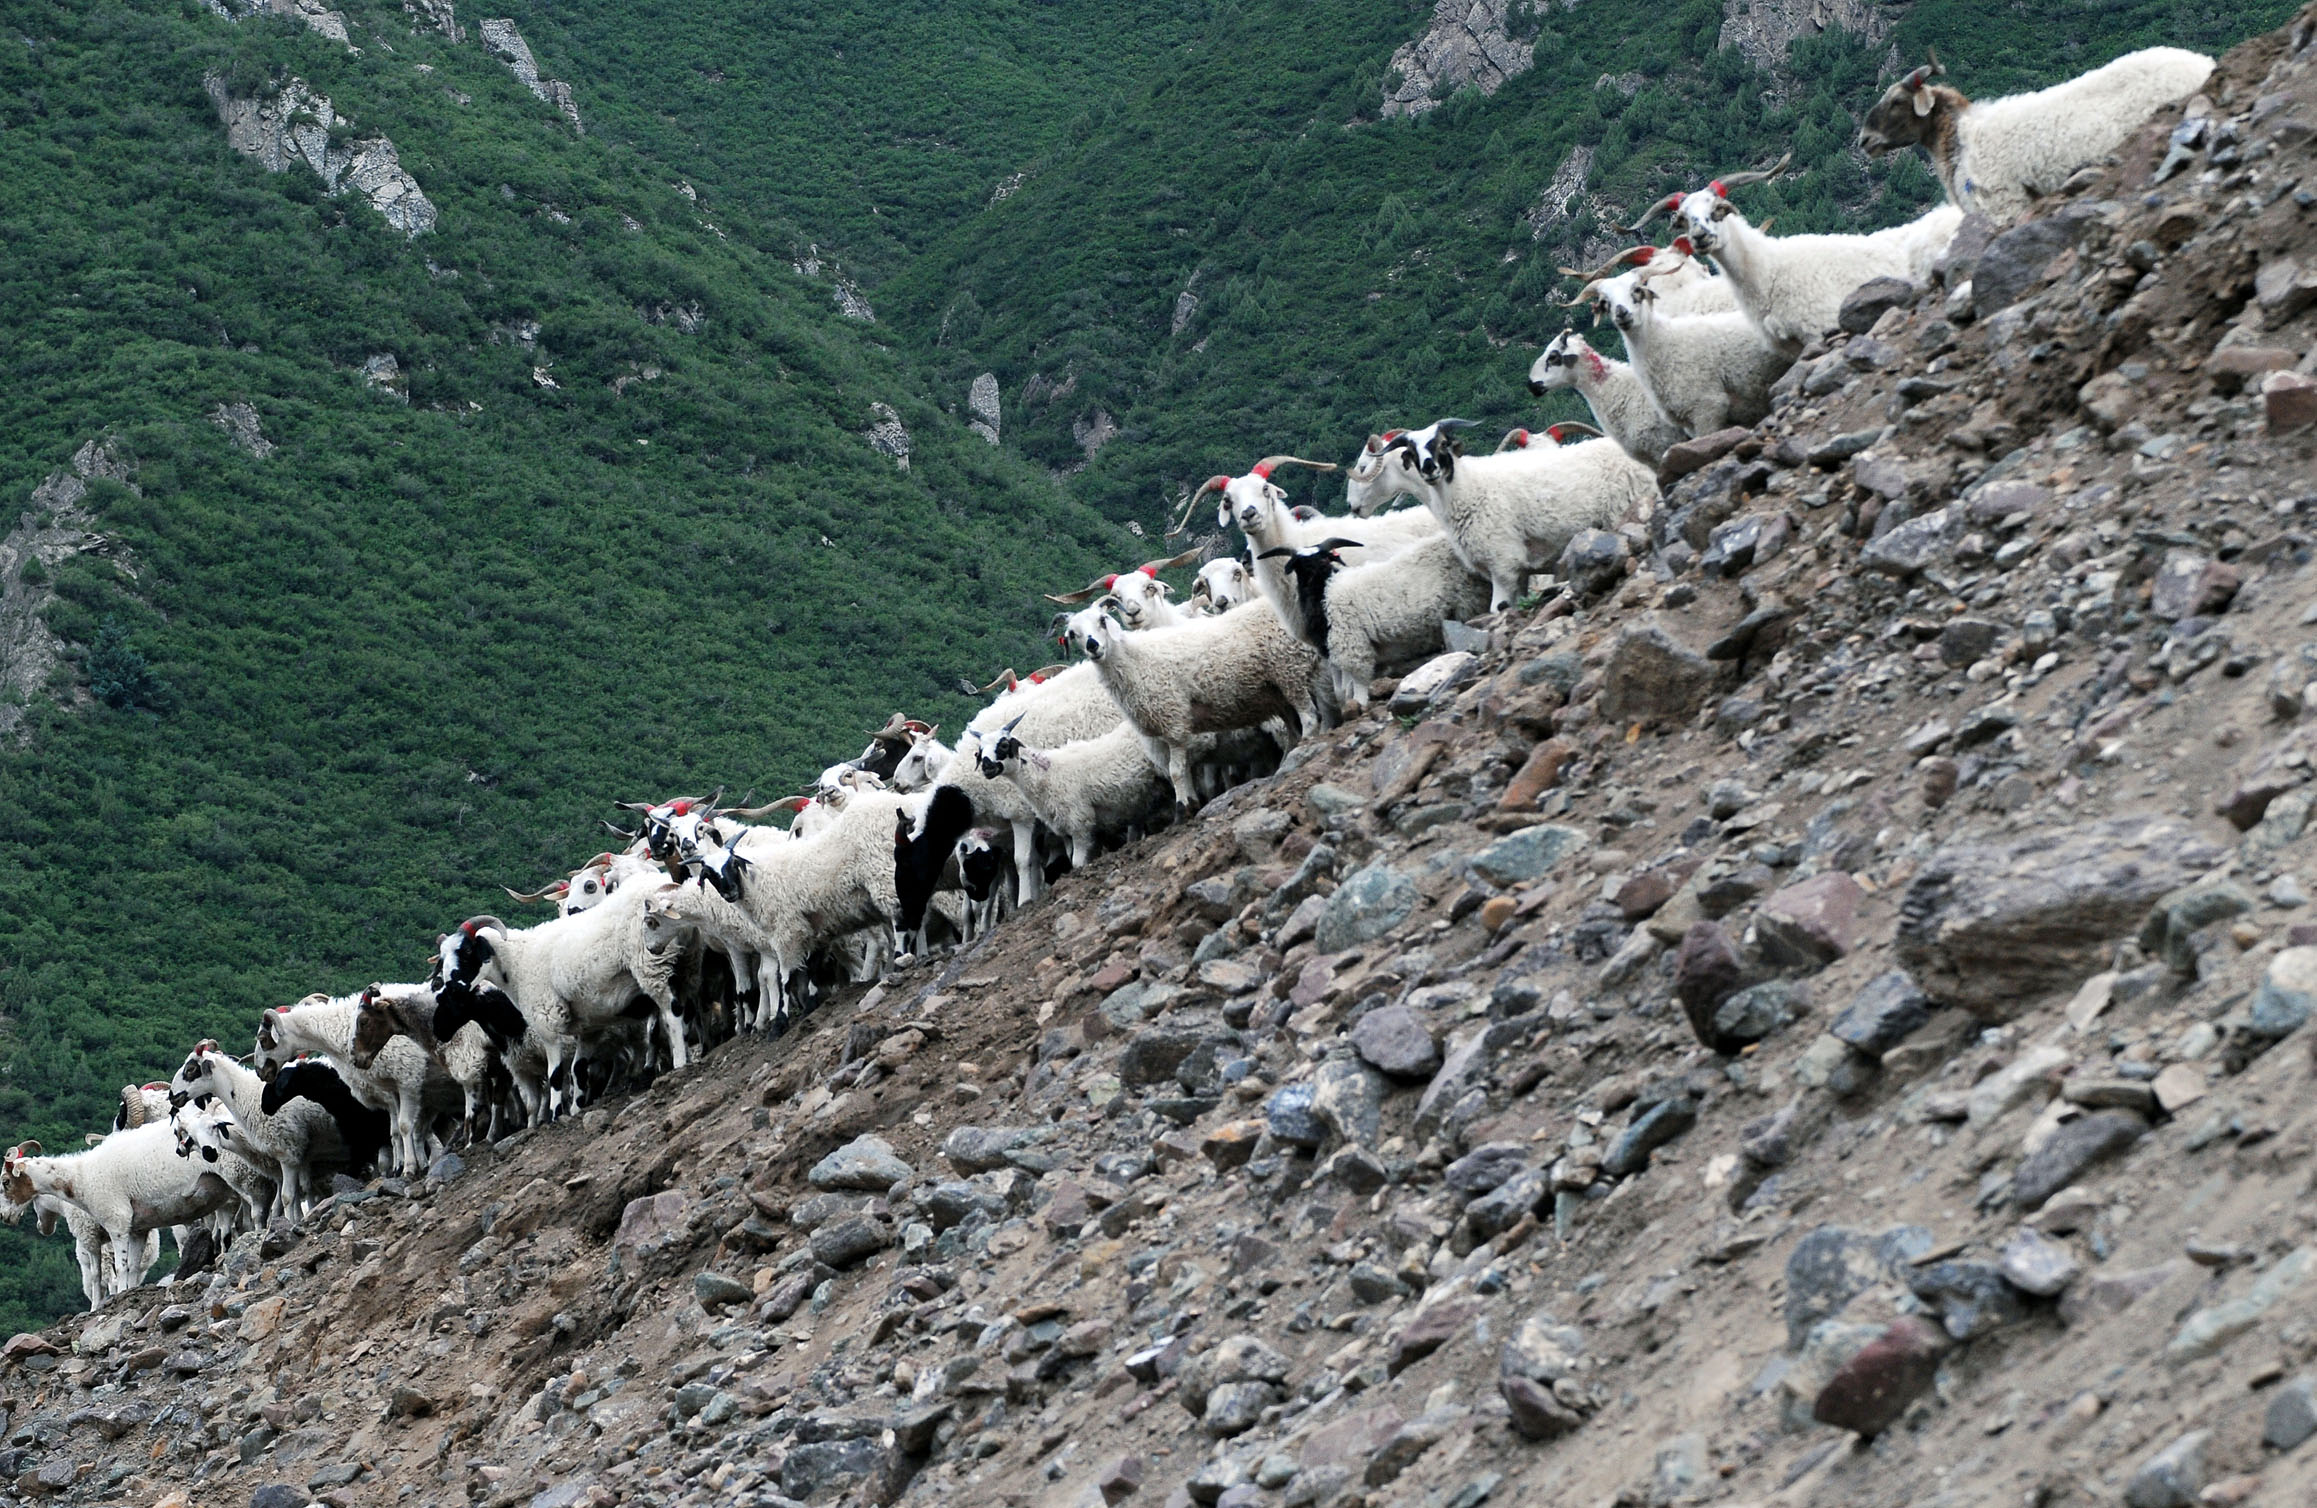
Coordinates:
(1179, 775)
(89, 1252)
(1028, 878)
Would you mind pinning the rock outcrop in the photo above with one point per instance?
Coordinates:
(312, 13)
(1764, 29)
(1469, 43)
(981, 406)
(297, 125)
(54, 525)
(507, 45)
(886, 435)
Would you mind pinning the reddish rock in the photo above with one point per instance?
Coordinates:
(1120, 1480)
(1351, 1439)
(28, 1344)
(1871, 1390)
(1642, 896)
(1111, 976)
(1811, 924)
(1697, 453)
(1496, 911)
(1313, 982)
(1706, 972)
(652, 1215)
(1431, 1328)
(1539, 773)
(2289, 401)
(1536, 1413)
(2232, 366)
(1229, 1146)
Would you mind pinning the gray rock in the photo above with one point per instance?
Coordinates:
(446, 1167)
(2014, 261)
(2174, 1476)
(1462, 1069)
(984, 1149)
(1233, 1408)
(1653, 677)
(1753, 1014)
(2287, 996)
(866, 1162)
(715, 1288)
(1395, 1040)
(1593, 561)
(1288, 1116)
(1987, 926)
(841, 1243)
(1486, 1166)
(2034, 1263)
(1525, 1193)
(1831, 1266)
(948, 1204)
(1440, 674)
(1369, 904)
(1885, 1012)
(1837, 449)
(2214, 1326)
(2292, 1414)
(2173, 921)
(280, 1495)
(820, 1209)
(1347, 1099)
(1664, 1121)
(1870, 300)
(336, 1474)
(2071, 1151)
(1528, 854)
(1972, 1297)
(1914, 546)
(1153, 1054)
(816, 1467)
(1375, 1285)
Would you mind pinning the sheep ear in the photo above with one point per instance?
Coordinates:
(1924, 99)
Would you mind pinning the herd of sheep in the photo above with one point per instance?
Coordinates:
(711, 922)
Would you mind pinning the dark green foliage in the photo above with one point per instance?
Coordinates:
(119, 676)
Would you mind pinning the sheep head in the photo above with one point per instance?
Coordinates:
(1912, 112)
(1092, 630)
(1430, 453)
(1223, 584)
(1245, 498)
(1701, 214)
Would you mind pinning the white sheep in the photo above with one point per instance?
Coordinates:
(1685, 284)
(1703, 371)
(1792, 287)
(132, 1184)
(1142, 597)
(1083, 790)
(804, 892)
(400, 1077)
(297, 1141)
(1210, 675)
(1612, 389)
(1381, 616)
(1997, 157)
(1257, 505)
(1512, 513)
(1223, 584)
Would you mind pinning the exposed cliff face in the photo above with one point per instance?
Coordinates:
(507, 44)
(313, 13)
(1763, 29)
(1468, 42)
(53, 527)
(295, 126)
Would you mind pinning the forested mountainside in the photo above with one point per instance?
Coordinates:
(533, 438)
(388, 561)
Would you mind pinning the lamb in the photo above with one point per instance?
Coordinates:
(1612, 389)
(1792, 287)
(1207, 676)
(1142, 597)
(1383, 615)
(1997, 157)
(1704, 372)
(299, 1141)
(1223, 584)
(132, 1184)
(1508, 514)
(1082, 790)
(400, 1080)
(477, 1034)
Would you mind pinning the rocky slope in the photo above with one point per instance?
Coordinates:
(1812, 1014)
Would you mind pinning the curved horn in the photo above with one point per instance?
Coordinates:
(1450, 426)
(1276, 551)
(1016, 723)
(474, 924)
(1571, 426)
(1044, 671)
(1740, 180)
(1631, 256)
(1005, 677)
(1665, 206)
(535, 896)
(1098, 584)
(1338, 542)
(894, 727)
(1938, 69)
(29, 1149)
(1269, 464)
(633, 806)
(1514, 439)
(1211, 484)
(1153, 567)
(132, 1105)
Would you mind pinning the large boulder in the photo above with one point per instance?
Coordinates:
(1653, 677)
(1989, 926)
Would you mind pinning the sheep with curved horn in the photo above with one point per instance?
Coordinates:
(1997, 157)
(1142, 597)
(1792, 287)
(1689, 286)
(1612, 389)
(1260, 472)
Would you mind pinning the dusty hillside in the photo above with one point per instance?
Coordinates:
(1847, 960)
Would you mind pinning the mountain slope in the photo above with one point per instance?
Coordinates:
(416, 647)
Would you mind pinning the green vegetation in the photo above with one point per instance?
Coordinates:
(586, 546)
